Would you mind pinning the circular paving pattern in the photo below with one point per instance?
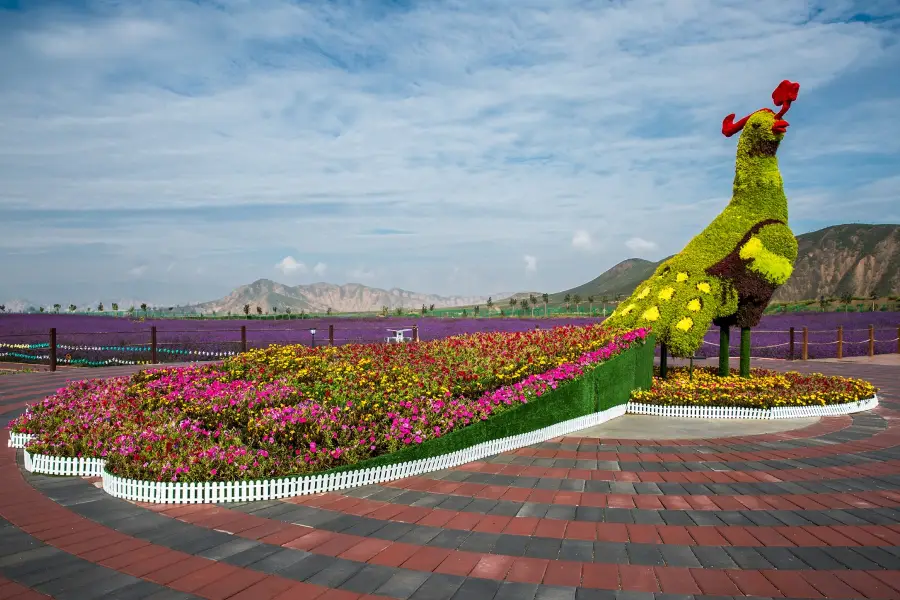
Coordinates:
(812, 512)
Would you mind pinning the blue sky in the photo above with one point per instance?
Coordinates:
(171, 151)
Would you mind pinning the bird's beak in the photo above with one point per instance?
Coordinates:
(780, 126)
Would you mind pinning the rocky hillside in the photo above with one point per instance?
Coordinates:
(619, 280)
(319, 297)
(854, 258)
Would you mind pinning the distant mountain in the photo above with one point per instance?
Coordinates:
(855, 258)
(21, 306)
(319, 297)
(18, 305)
(621, 279)
(123, 305)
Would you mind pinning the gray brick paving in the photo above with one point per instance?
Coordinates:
(64, 576)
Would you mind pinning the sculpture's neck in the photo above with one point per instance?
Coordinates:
(757, 182)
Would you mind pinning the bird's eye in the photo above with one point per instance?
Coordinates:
(755, 125)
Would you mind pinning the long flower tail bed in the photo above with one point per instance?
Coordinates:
(742, 412)
(285, 487)
(288, 411)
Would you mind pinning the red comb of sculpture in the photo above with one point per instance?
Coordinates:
(784, 94)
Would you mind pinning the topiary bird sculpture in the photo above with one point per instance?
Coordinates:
(727, 274)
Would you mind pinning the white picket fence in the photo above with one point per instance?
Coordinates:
(18, 440)
(63, 465)
(245, 491)
(736, 412)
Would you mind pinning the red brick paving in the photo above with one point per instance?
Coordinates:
(10, 590)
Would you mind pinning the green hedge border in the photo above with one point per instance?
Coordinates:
(608, 384)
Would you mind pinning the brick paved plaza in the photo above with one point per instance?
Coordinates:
(806, 513)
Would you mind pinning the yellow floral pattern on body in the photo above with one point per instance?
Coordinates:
(774, 268)
(751, 249)
(681, 277)
(651, 314)
(666, 293)
(685, 324)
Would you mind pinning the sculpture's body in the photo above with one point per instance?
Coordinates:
(728, 273)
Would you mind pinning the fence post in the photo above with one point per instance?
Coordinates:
(331, 335)
(804, 350)
(840, 342)
(871, 340)
(53, 348)
(791, 345)
(243, 338)
(415, 333)
(898, 340)
(153, 357)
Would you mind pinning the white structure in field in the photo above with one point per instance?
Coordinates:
(398, 337)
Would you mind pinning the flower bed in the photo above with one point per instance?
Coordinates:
(296, 410)
(764, 389)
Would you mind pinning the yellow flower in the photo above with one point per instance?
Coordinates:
(681, 277)
(704, 287)
(651, 314)
(627, 309)
(685, 324)
(643, 293)
(694, 305)
(666, 293)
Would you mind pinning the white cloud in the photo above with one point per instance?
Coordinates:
(320, 268)
(582, 240)
(137, 271)
(530, 263)
(640, 245)
(289, 265)
(361, 274)
(466, 131)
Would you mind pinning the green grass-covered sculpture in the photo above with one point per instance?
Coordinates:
(727, 274)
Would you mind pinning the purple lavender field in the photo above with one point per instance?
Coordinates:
(128, 340)
(85, 339)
